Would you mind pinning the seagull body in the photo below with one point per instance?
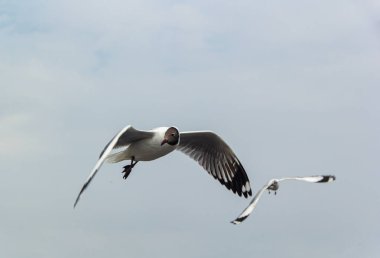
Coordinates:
(273, 185)
(146, 149)
(205, 147)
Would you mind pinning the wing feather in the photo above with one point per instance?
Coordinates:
(217, 158)
(123, 138)
(247, 211)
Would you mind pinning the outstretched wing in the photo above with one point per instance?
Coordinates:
(217, 158)
(123, 138)
(252, 205)
(311, 179)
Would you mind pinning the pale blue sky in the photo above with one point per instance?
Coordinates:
(292, 86)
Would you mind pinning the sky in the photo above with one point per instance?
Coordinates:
(292, 86)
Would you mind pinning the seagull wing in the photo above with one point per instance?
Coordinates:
(123, 138)
(252, 205)
(217, 158)
(311, 179)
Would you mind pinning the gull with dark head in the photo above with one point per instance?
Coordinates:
(273, 185)
(205, 147)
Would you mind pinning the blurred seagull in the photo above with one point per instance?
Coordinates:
(205, 147)
(273, 185)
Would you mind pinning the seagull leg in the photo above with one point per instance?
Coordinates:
(128, 168)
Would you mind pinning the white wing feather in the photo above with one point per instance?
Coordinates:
(100, 161)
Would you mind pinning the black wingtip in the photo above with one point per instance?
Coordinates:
(326, 179)
(239, 220)
(80, 193)
(240, 182)
(78, 198)
(76, 201)
(248, 194)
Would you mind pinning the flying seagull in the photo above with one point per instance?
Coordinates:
(273, 185)
(205, 147)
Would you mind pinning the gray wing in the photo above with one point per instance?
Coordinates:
(123, 138)
(252, 205)
(217, 158)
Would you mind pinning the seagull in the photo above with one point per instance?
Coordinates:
(205, 147)
(273, 185)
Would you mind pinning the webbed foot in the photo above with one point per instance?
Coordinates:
(127, 170)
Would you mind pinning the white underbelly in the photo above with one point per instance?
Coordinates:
(148, 150)
(144, 150)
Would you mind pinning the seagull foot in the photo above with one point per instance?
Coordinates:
(127, 170)
(269, 191)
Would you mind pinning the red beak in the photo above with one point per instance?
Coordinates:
(164, 141)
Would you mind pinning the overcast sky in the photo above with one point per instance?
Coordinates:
(292, 86)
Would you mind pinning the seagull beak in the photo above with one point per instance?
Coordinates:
(164, 141)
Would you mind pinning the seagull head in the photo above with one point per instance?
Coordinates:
(171, 136)
(274, 186)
